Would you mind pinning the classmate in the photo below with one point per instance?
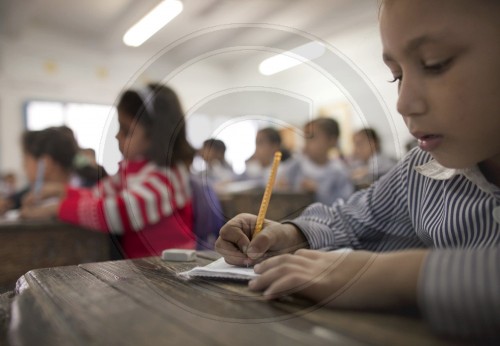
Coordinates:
(148, 201)
(435, 216)
(218, 170)
(48, 159)
(368, 163)
(315, 171)
(258, 167)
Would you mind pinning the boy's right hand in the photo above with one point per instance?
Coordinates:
(236, 245)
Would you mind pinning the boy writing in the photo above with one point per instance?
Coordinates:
(428, 232)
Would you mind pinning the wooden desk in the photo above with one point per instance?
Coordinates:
(143, 302)
(283, 205)
(29, 245)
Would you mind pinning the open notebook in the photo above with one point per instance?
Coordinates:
(220, 269)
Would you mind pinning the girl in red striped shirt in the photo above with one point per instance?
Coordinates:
(148, 202)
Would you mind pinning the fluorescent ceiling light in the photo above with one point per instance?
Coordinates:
(156, 19)
(294, 57)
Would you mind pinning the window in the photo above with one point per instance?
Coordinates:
(94, 126)
(238, 136)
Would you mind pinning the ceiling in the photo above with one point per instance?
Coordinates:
(102, 23)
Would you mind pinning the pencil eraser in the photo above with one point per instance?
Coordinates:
(178, 255)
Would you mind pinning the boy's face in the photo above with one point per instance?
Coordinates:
(264, 149)
(447, 55)
(132, 138)
(317, 143)
(209, 154)
(364, 148)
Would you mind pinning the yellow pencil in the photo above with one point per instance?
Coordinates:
(267, 194)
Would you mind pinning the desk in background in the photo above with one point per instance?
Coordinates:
(27, 245)
(283, 205)
(143, 302)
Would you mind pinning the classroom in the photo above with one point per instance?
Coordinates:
(234, 172)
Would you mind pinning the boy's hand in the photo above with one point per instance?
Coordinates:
(235, 241)
(357, 279)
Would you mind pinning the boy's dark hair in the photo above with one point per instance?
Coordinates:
(55, 142)
(328, 125)
(158, 110)
(372, 135)
(272, 135)
(215, 144)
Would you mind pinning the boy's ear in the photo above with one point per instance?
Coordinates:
(333, 142)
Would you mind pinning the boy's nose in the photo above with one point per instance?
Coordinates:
(411, 99)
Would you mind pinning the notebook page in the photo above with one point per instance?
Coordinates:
(220, 269)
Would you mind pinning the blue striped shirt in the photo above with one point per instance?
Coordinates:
(420, 204)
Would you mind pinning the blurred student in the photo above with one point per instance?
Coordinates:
(426, 234)
(258, 167)
(85, 168)
(368, 162)
(217, 169)
(48, 159)
(314, 171)
(148, 201)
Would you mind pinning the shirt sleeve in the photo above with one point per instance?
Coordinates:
(459, 293)
(140, 203)
(374, 219)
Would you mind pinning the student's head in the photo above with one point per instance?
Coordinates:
(55, 147)
(321, 135)
(366, 144)
(267, 142)
(445, 57)
(152, 126)
(213, 150)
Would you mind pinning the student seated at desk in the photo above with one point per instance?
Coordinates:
(314, 171)
(258, 167)
(217, 169)
(148, 201)
(426, 234)
(368, 163)
(48, 159)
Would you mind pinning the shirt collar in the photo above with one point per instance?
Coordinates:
(436, 171)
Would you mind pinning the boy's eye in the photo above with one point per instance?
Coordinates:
(396, 79)
(437, 67)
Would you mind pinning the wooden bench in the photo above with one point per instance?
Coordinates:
(31, 245)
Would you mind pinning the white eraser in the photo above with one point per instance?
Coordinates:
(178, 255)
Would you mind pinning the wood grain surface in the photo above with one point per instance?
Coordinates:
(144, 302)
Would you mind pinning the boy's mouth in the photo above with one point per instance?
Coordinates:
(428, 142)
(428, 137)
